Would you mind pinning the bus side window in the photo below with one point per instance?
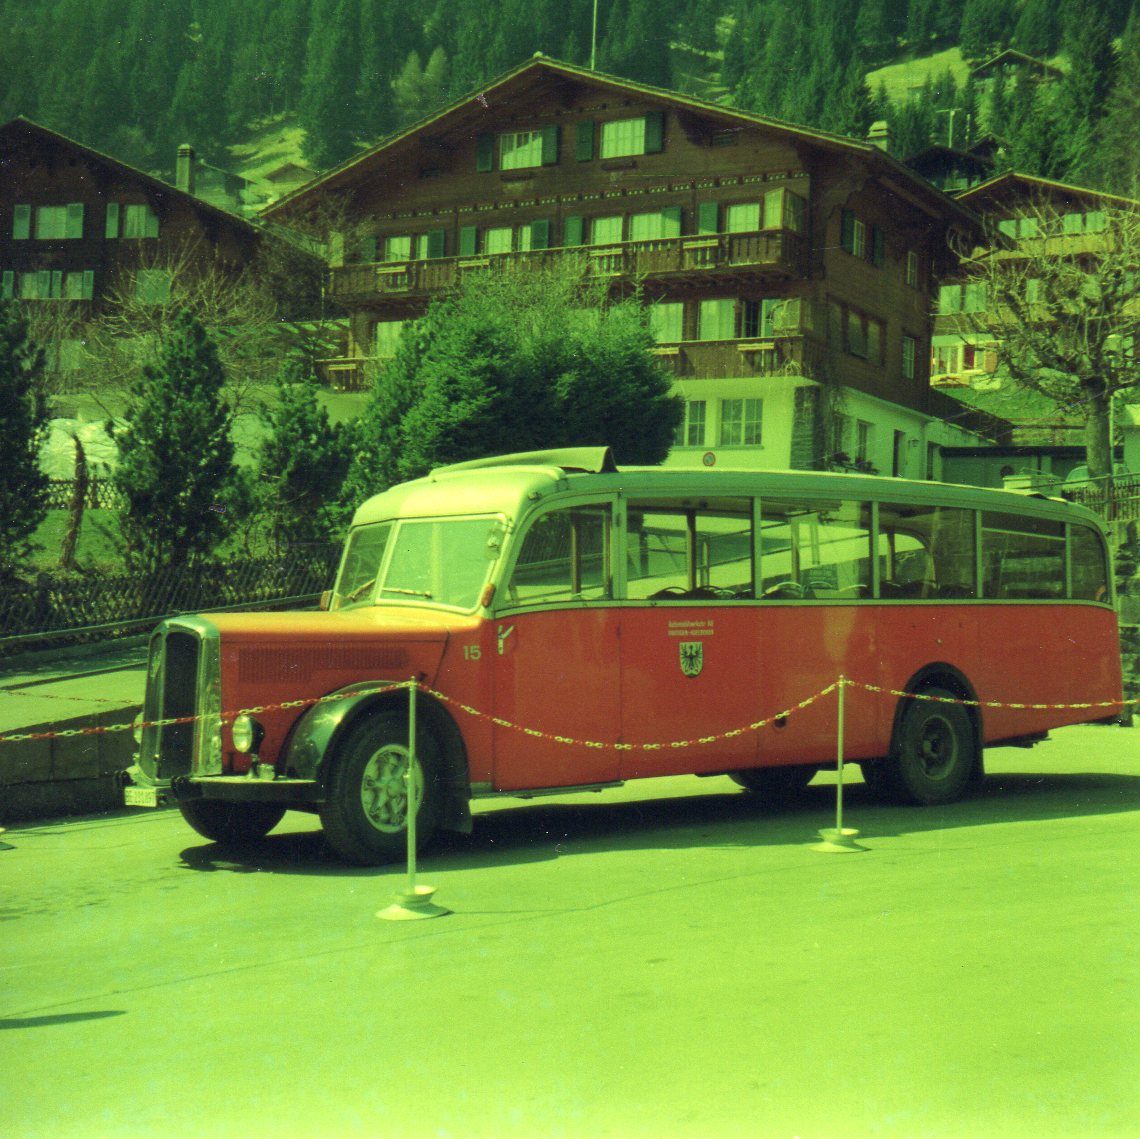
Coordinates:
(689, 553)
(1023, 558)
(926, 552)
(565, 556)
(1090, 573)
(815, 550)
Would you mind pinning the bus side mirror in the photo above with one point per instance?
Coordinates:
(326, 600)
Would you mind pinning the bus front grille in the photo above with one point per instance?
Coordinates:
(179, 681)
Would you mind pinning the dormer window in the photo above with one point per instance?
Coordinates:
(624, 137)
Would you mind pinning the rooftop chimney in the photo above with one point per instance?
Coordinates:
(184, 168)
(880, 135)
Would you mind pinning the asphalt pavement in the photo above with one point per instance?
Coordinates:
(666, 961)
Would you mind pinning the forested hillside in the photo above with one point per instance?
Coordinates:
(136, 77)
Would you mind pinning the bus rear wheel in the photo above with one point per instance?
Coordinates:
(365, 814)
(775, 784)
(934, 753)
(231, 822)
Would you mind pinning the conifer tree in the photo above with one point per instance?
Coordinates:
(176, 470)
(328, 98)
(23, 421)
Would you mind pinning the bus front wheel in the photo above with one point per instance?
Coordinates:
(365, 815)
(934, 751)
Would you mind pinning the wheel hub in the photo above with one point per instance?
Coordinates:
(384, 788)
(938, 748)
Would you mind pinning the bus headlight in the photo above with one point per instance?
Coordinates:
(247, 733)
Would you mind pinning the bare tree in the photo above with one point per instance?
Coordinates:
(1060, 300)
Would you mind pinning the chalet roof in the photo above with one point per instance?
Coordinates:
(19, 130)
(477, 111)
(1011, 184)
(1017, 59)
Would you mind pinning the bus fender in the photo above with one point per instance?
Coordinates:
(940, 674)
(314, 738)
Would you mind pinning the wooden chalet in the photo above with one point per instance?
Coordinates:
(790, 274)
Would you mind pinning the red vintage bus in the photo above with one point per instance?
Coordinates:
(558, 614)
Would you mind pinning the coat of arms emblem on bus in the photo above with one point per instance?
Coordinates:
(692, 657)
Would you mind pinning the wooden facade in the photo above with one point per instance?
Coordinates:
(78, 227)
(774, 256)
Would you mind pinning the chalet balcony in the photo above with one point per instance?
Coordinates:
(715, 259)
(782, 355)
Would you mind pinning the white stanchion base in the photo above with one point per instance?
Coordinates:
(836, 841)
(413, 906)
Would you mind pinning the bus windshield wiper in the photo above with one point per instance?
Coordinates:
(409, 592)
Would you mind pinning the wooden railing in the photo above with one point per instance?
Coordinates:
(777, 252)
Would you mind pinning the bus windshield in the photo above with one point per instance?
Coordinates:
(443, 561)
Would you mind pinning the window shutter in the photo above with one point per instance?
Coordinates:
(654, 132)
(151, 223)
(21, 223)
(468, 235)
(7, 284)
(708, 217)
(112, 229)
(584, 146)
(540, 234)
(878, 247)
(550, 140)
(435, 243)
(485, 153)
(57, 284)
(43, 284)
(671, 221)
(847, 231)
(572, 230)
(88, 284)
(368, 249)
(74, 219)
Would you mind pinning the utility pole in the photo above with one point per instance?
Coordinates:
(594, 39)
(951, 111)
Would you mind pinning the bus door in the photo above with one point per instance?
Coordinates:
(555, 656)
(691, 647)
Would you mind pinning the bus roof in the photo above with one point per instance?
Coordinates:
(508, 484)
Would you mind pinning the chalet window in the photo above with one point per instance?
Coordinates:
(499, 239)
(653, 226)
(55, 222)
(864, 434)
(536, 235)
(1034, 291)
(386, 338)
(691, 430)
(666, 321)
(912, 268)
(716, 320)
(945, 359)
(468, 239)
(624, 137)
(909, 356)
(520, 150)
(856, 333)
(949, 299)
(397, 248)
(853, 234)
(795, 210)
(7, 285)
(1092, 222)
(741, 422)
(430, 245)
(152, 286)
(742, 217)
(140, 221)
(605, 231)
(21, 223)
(769, 317)
(111, 227)
(974, 297)
(1019, 227)
(79, 285)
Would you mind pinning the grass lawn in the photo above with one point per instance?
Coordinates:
(95, 549)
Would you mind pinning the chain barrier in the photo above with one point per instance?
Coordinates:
(552, 737)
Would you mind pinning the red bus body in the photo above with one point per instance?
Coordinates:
(521, 597)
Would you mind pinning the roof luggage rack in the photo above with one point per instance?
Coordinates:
(588, 460)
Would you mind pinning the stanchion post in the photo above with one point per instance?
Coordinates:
(839, 839)
(415, 901)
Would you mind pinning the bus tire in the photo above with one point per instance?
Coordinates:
(775, 784)
(231, 822)
(877, 777)
(365, 810)
(934, 752)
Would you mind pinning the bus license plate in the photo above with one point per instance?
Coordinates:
(140, 796)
